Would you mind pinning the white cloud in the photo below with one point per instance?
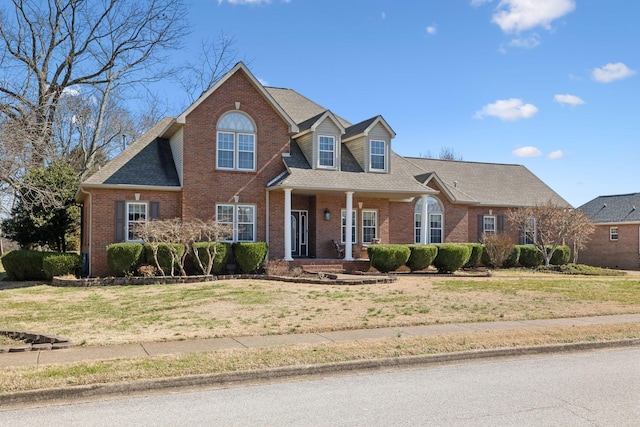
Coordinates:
(525, 43)
(527, 151)
(507, 109)
(432, 29)
(568, 99)
(520, 15)
(383, 15)
(611, 72)
(263, 82)
(555, 155)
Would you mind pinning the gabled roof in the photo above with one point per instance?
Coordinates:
(613, 209)
(364, 127)
(311, 124)
(300, 176)
(240, 67)
(146, 162)
(298, 107)
(488, 184)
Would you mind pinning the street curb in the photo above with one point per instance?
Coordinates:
(228, 378)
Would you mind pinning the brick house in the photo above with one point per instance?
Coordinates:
(282, 169)
(615, 242)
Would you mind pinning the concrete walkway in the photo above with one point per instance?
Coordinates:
(78, 354)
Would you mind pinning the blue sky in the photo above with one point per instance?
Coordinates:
(549, 84)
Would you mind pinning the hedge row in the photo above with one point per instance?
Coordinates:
(38, 265)
(450, 257)
(125, 258)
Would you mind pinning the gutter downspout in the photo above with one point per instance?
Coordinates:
(89, 228)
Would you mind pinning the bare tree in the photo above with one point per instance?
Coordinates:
(549, 225)
(52, 48)
(216, 57)
(446, 153)
(498, 248)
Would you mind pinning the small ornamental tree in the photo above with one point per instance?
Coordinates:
(497, 249)
(549, 225)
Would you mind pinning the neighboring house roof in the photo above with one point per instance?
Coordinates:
(298, 107)
(613, 209)
(489, 184)
(396, 185)
(146, 162)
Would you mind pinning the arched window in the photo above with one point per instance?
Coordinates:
(435, 223)
(236, 142)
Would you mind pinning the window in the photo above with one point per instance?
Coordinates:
(136, 216)
(241, 217)
(613, 233)
(435, 215)
(529, 237)
(377, 156)
(489, 224)
(343, 227)
(326, 151)
(369, 225)
(236, 143)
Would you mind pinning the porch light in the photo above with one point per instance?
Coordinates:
(327, 214)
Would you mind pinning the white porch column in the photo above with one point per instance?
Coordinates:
(425, 221)
(287, 225)
(348, 245)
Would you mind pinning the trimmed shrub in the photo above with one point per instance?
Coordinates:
(61, 264)
(513, 258)
(561, 255)
(421, 256)
(451, 257)
(530, 257)
(164, 256)
(386, 258)
(476, 255)
(497, 248)
(123, 258)
(25, 265)
(249, 255)
(223, 250)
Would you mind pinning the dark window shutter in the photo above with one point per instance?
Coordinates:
(480, 227)
(154, 210)
(500, 223)
(120, 207)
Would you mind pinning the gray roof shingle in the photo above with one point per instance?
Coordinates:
(298, 107)
(490, 184)
(613, 209)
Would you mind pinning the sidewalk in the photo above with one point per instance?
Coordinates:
(78, 354)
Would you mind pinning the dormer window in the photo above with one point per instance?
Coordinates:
(377, 155)
(236, 143)
(326, 151)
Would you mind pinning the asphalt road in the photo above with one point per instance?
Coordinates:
(599, 388)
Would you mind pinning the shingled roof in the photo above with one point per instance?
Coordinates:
(298, 107)
(613, 209)
(400, 183)
(489, 184)
(146, 162)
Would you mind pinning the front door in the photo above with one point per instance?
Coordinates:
(299, 231)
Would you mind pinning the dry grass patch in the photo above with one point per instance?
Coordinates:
(56, 376)
(109, 315)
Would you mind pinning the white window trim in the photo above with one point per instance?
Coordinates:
(484, 224)
(127, 222)
(441, 228)
(384, 155)
(354, 227)
(333, 152)
(612, 234)
(375, 226)
(236, 151)
(235, 223)
(417, 230)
